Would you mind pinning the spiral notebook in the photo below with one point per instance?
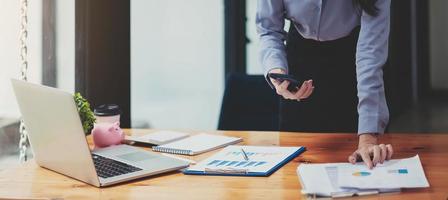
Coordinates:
(197, 144)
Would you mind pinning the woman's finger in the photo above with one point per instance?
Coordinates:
(353, 158)
(308, 87)
(277, 90)
(309, 82)
(284, 86)
(383, 153)
(390, 151)
(275, 82)
(280, 89)
(308, 92)
(290, 95)
(301, 91)
(376, 154)
(365, 155)
(283, 90)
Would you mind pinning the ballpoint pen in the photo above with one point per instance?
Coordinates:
(244, 154)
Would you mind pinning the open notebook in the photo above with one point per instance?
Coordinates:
(158, 138)
(197, 144)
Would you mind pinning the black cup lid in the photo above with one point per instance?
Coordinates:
(107, 110)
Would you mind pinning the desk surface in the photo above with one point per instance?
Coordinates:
(31, 181)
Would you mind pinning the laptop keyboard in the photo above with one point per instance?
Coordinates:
(106, 168)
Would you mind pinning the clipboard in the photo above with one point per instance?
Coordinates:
(263, 161)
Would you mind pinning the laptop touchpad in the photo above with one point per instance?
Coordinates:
(136, 156)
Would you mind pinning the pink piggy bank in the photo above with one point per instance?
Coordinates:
(107, 134)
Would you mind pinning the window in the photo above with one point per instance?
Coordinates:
(253, 62)
(10, 63)
(177, 73)
(10, 68)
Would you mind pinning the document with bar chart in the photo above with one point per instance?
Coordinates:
(245, 161)
(400, 173)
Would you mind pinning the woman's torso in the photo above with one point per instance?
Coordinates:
(322, 20)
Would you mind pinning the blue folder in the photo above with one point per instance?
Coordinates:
(267, 173)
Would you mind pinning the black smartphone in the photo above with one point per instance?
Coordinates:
(293, 82)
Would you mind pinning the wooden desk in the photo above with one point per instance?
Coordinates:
(31, 181)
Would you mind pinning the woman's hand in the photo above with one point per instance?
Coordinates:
(368, 147)
(281, 88)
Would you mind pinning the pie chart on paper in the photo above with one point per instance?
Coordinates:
(361, 174)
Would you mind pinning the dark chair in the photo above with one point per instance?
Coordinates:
(248, 104)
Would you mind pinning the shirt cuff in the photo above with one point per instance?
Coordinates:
(371, 124)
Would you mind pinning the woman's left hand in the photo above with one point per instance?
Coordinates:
(368, 146)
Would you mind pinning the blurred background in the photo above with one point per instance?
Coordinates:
(166, 62)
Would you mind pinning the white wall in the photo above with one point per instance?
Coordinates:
(439, 43)
(9, 50)
(177, 57)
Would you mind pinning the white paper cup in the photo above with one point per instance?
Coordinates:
(107, 113)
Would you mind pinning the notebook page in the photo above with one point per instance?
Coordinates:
(201, 142)
(159, 137)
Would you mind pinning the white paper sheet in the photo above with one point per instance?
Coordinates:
(400, 173)
(322, 180)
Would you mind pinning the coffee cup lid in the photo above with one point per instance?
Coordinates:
(107, 110)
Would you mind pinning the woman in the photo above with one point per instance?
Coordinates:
(339, 47)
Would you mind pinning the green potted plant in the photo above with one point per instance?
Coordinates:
(85, 113)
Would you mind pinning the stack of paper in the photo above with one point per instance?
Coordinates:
(345, 179)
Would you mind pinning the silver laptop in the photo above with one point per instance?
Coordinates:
(59, 144)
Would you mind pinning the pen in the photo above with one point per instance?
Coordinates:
(244, 154)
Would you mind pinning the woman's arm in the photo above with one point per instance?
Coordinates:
(270, 22)
(371, 55)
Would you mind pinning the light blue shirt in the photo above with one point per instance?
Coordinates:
(325, 20)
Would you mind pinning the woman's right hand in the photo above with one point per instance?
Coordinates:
(303, 92)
